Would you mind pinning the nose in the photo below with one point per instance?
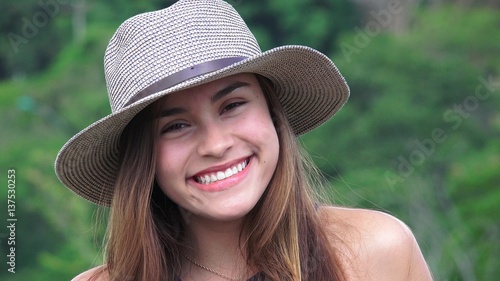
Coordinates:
(215, 140)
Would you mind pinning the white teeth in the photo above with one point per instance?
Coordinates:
(221, 175)
(213, 177)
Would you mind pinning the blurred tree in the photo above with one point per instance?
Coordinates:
(420, 135)
(33, 34)
(36, 31)
(316, 23)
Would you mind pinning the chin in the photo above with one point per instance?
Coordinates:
(231, 213)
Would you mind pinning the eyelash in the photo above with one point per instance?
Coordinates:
(179, 126)
(232, 106)
(174, 127)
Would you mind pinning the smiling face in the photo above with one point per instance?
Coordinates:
(217, 147)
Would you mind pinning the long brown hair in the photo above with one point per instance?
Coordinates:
(284, 237)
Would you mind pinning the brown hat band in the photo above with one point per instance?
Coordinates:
(183, 75)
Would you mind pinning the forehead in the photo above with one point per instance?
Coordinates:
(207, 89)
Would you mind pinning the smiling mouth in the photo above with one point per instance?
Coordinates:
(220, 175)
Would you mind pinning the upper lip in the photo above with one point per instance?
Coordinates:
(221, 167)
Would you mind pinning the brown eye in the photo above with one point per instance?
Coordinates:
(232, 106)
(174, 127)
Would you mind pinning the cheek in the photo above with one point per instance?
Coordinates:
(170, 160)
(262, 133)
(263, 127)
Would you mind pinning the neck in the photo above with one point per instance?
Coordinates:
(216, 245)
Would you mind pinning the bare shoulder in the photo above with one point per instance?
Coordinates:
(95, 274)
(360, 225)
(376, 245)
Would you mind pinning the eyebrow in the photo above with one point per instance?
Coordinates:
(217, 96)
(227, 90)
(172, 111)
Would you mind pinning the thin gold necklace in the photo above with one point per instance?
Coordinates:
(213, 271)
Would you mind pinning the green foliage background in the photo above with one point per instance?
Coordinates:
(381, 151)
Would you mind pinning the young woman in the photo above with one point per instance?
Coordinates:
(201, 168)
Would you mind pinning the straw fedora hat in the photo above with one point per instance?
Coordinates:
(187, 44)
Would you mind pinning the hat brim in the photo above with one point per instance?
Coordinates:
(307, 83)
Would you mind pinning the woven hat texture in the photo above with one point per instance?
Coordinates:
(187, 44)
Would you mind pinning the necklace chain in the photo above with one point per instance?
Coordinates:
(211, 270)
